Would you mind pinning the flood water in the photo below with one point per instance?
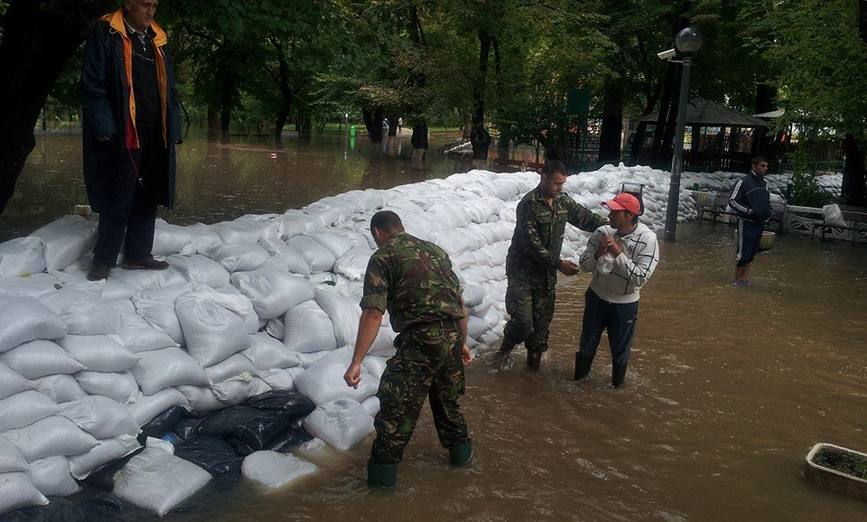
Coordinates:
(727, 388)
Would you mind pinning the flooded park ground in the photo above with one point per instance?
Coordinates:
(727, 388)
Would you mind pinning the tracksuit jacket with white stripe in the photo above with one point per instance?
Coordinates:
(750, 199)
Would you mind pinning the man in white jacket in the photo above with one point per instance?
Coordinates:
(621, 256)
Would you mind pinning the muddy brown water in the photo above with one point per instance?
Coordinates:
(727, 390)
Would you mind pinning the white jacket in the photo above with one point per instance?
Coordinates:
(631, 269)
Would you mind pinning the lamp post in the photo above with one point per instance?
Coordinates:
(687, 42)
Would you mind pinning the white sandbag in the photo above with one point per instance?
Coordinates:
(201, 399)
(108, 450)
(212, 332)
(239, 257)
(49, 437)
(344, 313)
(259, 386)
(80, 306)
(383, 345)
(99, 353)
(309, 359)
(203, 240)
(143, 337)
(275, 328)
(159, 369)
(337, 244)
(323, 382)
(476, 327)
(19, 492)
(120, 386)
(157, 307)
(249, 228)
(319, 258)
(100, 416)
(66, 239)
(234, 390)
(59, 388)
(353, 263)
(34, 285)
(231, 367)
(371, 405)
(296, 222)
(281, 379)
(375, 365)
(148, 279)
(275, 470)
(232, 298)
(25, 319)
(168, 238)
(284, 256)
(12, 383)
(341, 424)
(10, 458)
(199, 269)
(21, 257)
(146, 407)
(268, 353)
(40, 358)
(308, 328)
(272, 293)
(473, 295)
(157, 481)
(51, 477)
(25, 408)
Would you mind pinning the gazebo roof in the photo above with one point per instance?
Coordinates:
(709, 114)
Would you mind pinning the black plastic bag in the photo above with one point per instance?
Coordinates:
(214, 455)
(59, 510)
(291, 403)
(188, 427)
(161, 424)
(103, 506)
(253, 426)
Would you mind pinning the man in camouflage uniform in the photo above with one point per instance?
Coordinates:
(533, 262)
(413, 280)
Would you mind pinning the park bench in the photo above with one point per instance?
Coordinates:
(716, 205)
(855, 218)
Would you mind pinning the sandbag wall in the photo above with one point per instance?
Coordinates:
(264, 302)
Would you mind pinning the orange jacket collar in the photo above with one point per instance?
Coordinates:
(115, 21)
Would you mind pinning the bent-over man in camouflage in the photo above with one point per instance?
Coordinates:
(534, 259)
(413, 280)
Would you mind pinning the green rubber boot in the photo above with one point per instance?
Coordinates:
(381, 475)
(462, 454)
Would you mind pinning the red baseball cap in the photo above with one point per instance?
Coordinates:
(624, 201)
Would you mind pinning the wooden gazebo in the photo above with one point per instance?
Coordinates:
(716, 137)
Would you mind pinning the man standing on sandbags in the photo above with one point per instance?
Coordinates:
(534, 259)
(413, 280)
(622, 257)
(130, 125)
(751, 201)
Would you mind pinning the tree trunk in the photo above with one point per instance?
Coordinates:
(667, 148)
(39, 38)
(373, 123)
(766, 97)
(853, 191)
(662, 115)
(282, 115)
(612, 122)
(479, 137)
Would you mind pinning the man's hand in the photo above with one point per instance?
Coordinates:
(353, 375)
(466, 355)
(612, 246)
(568, 267)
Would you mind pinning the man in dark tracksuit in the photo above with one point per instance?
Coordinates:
(750, 200)
(130, 124)
(413, 280)
(534, 259)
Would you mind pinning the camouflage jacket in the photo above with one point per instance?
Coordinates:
(539, 229)
(412, 279)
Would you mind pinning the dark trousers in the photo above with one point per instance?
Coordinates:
(618, 319)
(133, 229)
(530, 306)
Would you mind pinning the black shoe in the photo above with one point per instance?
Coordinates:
(98, 273)
(534, 361)
(618, 375)
(462, 454)
(148, 263)
(503, 357)
(381, 475)
(582, 365)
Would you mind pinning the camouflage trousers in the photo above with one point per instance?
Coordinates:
(427, 364)
(530, 305)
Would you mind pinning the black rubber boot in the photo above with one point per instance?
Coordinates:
(461, 455)
(618, 374)
(534, 360)
(503, 357)
(582, 365)
(381, 475)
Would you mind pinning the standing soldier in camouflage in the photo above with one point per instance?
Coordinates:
(533, 262)
(413, 280)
